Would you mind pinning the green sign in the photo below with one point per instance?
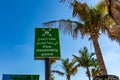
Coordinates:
(19, 77)
(46, 43)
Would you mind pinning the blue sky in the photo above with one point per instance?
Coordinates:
(18, 19)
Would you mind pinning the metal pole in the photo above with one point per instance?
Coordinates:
(47, 69)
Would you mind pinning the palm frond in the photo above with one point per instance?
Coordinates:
(114, 10)
(67, 26)
(58, 72)
(52, 61)
(95, 71)
(75, 69)
(114, 33)
(76, 58)
(81, 10)
(68, 1)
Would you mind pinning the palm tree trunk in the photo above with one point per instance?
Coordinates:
(68, 77)
(88, 73)
(99, 56)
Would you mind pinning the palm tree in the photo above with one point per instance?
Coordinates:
(95, 70)
(85, 60)
(69, 68)
(92, 21)
(113, 9)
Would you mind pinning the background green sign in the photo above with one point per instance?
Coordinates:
(19, 77)
(46, 43)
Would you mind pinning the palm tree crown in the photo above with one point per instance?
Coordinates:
(85, 60)
(69, 68)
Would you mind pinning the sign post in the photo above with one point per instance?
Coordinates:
(47, 69)
(46, 47)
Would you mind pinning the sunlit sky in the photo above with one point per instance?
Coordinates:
(19, 18)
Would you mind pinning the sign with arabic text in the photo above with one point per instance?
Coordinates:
(46, 43)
